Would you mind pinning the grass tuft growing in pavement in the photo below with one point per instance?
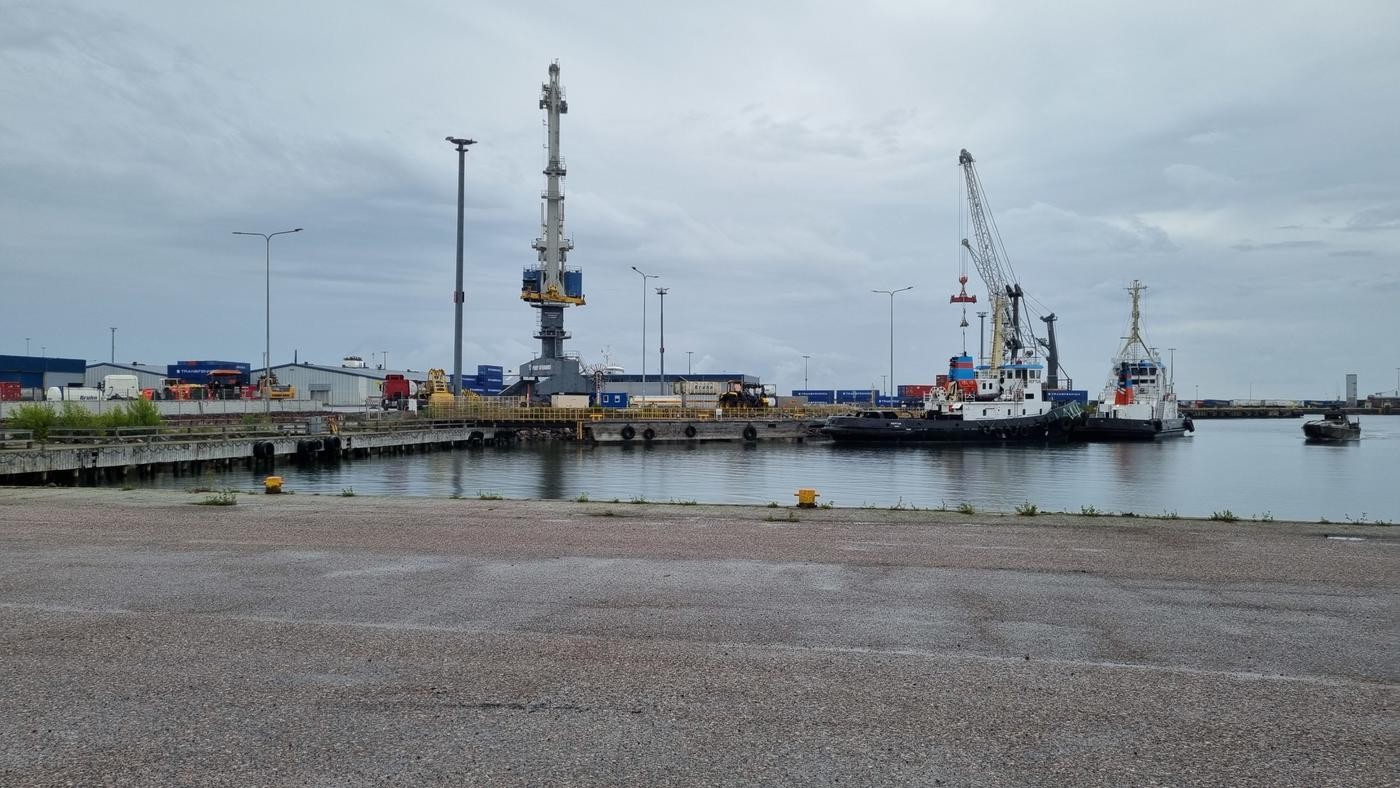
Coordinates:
(221, 498)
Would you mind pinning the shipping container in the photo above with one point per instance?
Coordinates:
(198, 371)
(915, 390)
(941, 381)
(817, 396)
(568, 400)
(9, 390)
(690, 387)
(850, 396)
(1059, 396)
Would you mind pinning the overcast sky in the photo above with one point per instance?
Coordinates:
(773, 162)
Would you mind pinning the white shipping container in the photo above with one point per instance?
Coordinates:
(568, 400)
(712, 388)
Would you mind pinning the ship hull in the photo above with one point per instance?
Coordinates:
(1329, 432)
(1099, 428)
(1055, 425)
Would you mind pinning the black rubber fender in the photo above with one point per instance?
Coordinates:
(690, 430)
(1190, 425)
(750, 433)
(628, 433)
(648, 434)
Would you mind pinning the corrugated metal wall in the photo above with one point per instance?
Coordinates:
(147, 377)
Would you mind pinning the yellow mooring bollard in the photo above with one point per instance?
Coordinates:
(806, 498)
(272, 485)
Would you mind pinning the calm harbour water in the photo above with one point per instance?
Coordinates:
(1250, 467)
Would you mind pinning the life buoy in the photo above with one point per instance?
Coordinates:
(690, 430)
(648, 434)
(628, 433)
(750, 433)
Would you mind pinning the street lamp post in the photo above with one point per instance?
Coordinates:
(891, 293)
(804, 371)
(458, 298)
(26, 346)
(267, 357)
(645, 277)
(661, 291)
(1171, 373)
(688, 354)
(113, 358)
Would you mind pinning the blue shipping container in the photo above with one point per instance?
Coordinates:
(198, 371)
(855, 395)
(1082, 397)
(816, 396)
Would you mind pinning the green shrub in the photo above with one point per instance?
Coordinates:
(1027, 509)
(1224, 516)
(75, 416)
(1088, 511)
(966, 508)
(36, 417)
(347, 492)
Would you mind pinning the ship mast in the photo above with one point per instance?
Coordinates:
(1134, 338)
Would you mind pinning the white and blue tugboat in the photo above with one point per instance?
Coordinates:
(1138, 403)
(999, 404)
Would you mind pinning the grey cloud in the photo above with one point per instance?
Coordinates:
(1250, 246)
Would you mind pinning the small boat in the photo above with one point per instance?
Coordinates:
(1138, 403)
(1334, 426)
(988, 404)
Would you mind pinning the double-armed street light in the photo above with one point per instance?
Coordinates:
(645, 277)
(891, 293)
(267, 358)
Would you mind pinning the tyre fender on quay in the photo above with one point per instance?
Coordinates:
(750, 433)
(628, 433)
(648, 434)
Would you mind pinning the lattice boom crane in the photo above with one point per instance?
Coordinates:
(1005, 294)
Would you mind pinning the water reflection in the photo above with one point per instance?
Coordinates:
(1249, 467)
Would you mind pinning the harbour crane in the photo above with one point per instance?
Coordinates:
(1009, 335)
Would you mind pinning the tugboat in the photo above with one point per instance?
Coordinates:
(1002, 401)
(1333, 427)
(1004, 404)
(1138, 403)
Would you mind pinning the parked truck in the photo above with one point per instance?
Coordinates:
(396, 392)
(121, 387)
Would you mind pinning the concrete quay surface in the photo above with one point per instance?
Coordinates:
(295, 640)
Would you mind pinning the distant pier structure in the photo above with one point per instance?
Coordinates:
(549, 286)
